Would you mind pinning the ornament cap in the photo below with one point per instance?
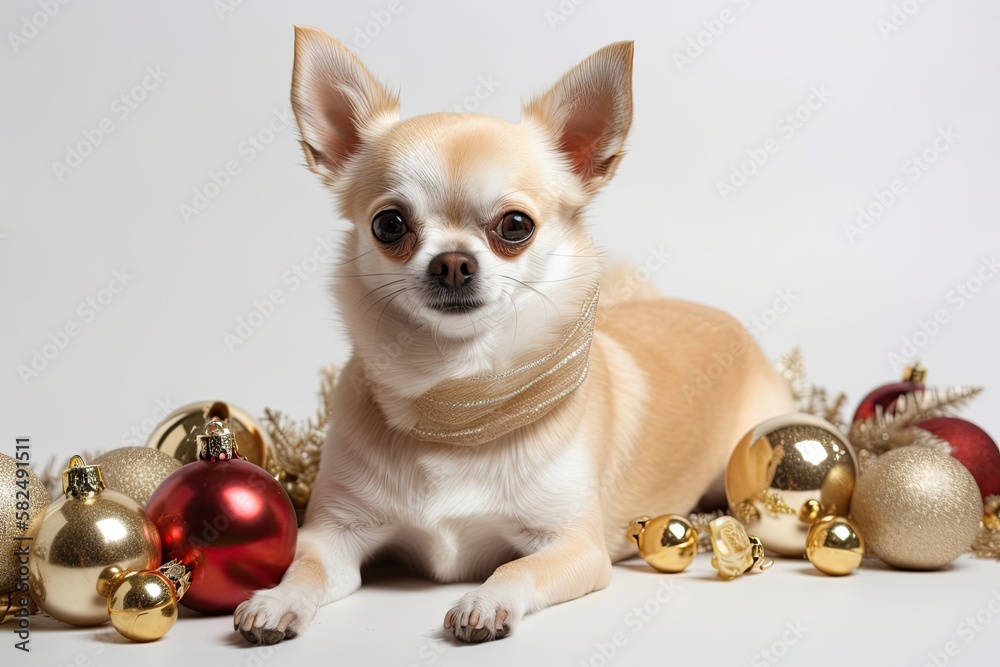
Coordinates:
(80, 480)
(636, 526)
(217, 443)
(178, 574)
(916, 373)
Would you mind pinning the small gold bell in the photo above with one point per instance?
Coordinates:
(736, 553)
(668, 543)
(834, 546)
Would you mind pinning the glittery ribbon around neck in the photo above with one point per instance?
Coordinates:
(472, 411)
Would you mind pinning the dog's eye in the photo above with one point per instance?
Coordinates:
(515, 227)
(389, 226)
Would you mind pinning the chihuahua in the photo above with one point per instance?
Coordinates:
(499, 418)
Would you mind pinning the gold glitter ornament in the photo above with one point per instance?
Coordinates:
(86, 538)
(834, 546)
(136, 471)
(668, 543)
(991, 513)
(784, 473)
(16, 484)
(176, 434)
(919, 509)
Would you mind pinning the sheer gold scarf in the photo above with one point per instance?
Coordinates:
(475, 410)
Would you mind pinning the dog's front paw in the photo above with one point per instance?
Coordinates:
(481, 617)
(270, 616)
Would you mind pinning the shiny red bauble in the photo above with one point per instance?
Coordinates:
(231, 523)
(973, 447)
(885, 397)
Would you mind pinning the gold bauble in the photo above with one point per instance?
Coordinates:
(176, 434)
(668, 543)
(784, 473)
(136, 471)
(919, 509)
(835, 546)
(142, 605)
(84, 538)
(18, 485)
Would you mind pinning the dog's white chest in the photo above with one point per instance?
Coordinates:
(461, 513)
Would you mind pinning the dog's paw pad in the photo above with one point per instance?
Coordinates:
(266, 620)
(479, 619)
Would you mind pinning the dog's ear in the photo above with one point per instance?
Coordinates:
(589, 112)
(337, 103)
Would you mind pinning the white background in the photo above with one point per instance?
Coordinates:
(161, 341)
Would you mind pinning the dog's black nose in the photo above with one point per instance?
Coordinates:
(453, 269)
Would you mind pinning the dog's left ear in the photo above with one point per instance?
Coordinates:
(589, 112)
(337, 102)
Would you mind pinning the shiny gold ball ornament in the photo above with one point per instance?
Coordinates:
(786, 472)
(143, 605)
(668, 543)
(834, 546)
(84, 539)
(23, 500)
(177, 434)
(136, 471)
(918, 508)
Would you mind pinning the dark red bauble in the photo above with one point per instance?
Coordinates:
(232, 523)
(973, 447)
(884, 396)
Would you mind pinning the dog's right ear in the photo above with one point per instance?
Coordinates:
(337, 103)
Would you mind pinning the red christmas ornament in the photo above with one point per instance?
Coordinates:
(973, 447)
(886, 395)
(228, 521)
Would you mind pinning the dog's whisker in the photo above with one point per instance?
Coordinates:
(560, 280)
(538, 292)
(386, 307)
(369, 275)
(387, 296)
(513, 307)
(393, 282)
(355, 258)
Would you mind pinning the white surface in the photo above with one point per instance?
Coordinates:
(160, 342)
(800, 617)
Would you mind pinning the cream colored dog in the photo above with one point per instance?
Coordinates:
(468, 257)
